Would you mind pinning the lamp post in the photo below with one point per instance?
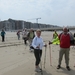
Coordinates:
(37, 22)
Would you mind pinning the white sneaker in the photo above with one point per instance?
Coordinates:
(37, 69)
(31, 50)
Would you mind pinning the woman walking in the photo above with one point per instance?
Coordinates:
(37, 43)
(24, 35)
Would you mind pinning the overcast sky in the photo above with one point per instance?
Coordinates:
(55, 12)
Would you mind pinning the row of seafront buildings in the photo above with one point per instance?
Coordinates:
(12, 25)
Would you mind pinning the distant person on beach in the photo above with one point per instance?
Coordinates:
(30, 36)
(3, 35)
(37, 43)
(74, 35)
(55, 35)
(18, 34)
(71, 37)
(24, 36)
(64, 48)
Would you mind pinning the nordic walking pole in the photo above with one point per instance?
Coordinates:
(45, 57)
(41, 67)
(50, 55)
(40, 62)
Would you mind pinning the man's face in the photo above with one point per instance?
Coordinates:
(65, 30)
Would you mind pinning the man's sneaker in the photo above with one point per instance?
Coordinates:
(58, 67)
(68, 68)
(37, 70)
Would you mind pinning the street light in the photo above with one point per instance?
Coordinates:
(36, 21)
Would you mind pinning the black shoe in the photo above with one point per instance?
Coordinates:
(68, 68)
(58, 67)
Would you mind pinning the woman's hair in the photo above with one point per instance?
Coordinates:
(38, 30)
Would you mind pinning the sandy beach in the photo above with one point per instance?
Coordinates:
(16, 59)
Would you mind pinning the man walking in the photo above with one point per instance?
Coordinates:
(3, 35)
(64, 48)
(30, 36)
(18, 34)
